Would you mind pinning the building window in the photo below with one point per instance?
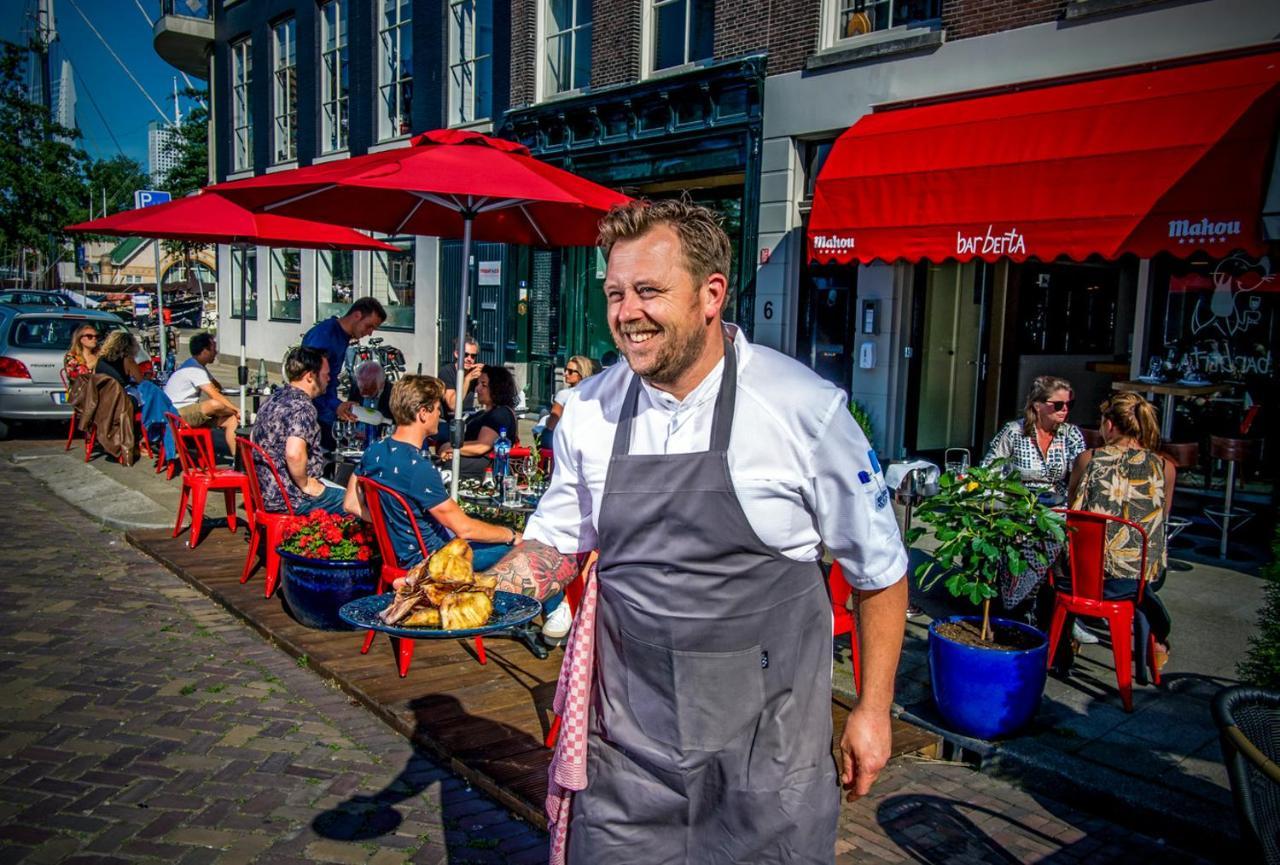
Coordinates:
(284, 97)
(241, 105)
(470, 60)
(286, 285)
(682, 32)
(392, 283)
(244, 260)
(335, 282)
(568, 45)
(849, 19)
(333, 76)
(395, 69)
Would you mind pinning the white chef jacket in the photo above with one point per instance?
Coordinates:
(802, 469)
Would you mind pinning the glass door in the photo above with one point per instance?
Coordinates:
(949, 359)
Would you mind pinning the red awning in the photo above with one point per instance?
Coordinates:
(1174, 160)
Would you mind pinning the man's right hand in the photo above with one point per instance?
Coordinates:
(473, 373)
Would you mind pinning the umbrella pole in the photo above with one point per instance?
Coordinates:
(455, 434)
(242, 374)
(164, 346)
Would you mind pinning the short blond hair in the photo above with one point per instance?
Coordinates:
(414, 392)
(703, 240)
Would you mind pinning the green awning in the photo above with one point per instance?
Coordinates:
(125, 249)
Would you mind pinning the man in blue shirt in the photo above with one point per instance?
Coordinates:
(399, 462)
(332, 336)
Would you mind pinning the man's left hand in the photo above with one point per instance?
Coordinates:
(864, 750)
(345, 413)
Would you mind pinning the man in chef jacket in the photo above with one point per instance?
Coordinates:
(711, 474)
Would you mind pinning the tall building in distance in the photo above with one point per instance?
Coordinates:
(63, 97)
(162, 151)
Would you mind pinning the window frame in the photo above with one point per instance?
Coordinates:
(460, 105)
(327, 306)
(248, 256)
(242, 104)
(335, 117)
(379, 259)
(284, 91)
(574, 32)
(649, 38)
(278, 269)
(391, 127)
(831, 11)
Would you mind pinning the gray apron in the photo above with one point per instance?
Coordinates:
(710, 728)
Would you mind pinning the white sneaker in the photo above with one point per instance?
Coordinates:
(555, 625)
(1079, 633)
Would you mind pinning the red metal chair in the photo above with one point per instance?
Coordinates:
(200, 475)
(392, 569)
(263, 522)
(1086, 552)
(844, 623)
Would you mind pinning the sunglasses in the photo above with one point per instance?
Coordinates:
(1060, 404)
(93, 336)
(471, 354)
(568, 370)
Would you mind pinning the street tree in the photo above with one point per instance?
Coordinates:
(117, 177)
(41, 167)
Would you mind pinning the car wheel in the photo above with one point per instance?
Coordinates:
(4, 429)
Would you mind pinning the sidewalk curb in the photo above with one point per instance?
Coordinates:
(103, 490)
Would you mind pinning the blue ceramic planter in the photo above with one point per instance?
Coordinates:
(986, 693)
(315, 589)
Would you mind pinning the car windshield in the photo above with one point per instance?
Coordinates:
(49, 331)
(31, 298)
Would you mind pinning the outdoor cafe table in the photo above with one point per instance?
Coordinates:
(1170, 391)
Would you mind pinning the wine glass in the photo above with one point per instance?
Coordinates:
(956, 461)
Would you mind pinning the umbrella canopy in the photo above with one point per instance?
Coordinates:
(210, 218)
(446, 183)
(430, 188)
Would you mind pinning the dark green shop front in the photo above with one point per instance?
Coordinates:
(697, 133)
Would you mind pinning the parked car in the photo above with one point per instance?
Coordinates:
(27, 297)
(32, 344)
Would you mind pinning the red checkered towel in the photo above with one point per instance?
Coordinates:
(568, 771)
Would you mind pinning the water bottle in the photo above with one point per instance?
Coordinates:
(262, 374)
(501, 455)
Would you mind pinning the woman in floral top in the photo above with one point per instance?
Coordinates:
(1042, 446)
(82, 356)
(1127, 477)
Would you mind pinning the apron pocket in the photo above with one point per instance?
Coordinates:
(695, 701)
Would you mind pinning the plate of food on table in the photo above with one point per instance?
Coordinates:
(444, 598)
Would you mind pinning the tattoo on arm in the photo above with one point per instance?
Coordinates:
(535, 569)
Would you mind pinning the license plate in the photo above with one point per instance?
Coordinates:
(59, 397)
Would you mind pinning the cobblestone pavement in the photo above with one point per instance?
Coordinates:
(139, 722)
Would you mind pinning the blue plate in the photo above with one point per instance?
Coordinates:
(509, 610)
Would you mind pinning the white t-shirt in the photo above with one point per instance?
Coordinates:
(562, 396)
(802, 469)
(183, 387)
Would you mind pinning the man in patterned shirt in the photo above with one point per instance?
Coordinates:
(287, 429)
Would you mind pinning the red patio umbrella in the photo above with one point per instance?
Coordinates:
(210, 218)
(446, 183)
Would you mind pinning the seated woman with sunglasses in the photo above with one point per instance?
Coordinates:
(1129, 478)
(497, 394)
(82, 357)
(1042, 446)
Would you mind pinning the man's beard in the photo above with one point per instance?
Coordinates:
(679, 352)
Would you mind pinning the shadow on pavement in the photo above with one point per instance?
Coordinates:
(467, 830)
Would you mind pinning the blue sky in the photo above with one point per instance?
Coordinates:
(123, 107)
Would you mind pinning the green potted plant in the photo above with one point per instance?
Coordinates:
(326, 561)
(987, 672)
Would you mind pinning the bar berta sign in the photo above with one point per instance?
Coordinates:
(1010, 242)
